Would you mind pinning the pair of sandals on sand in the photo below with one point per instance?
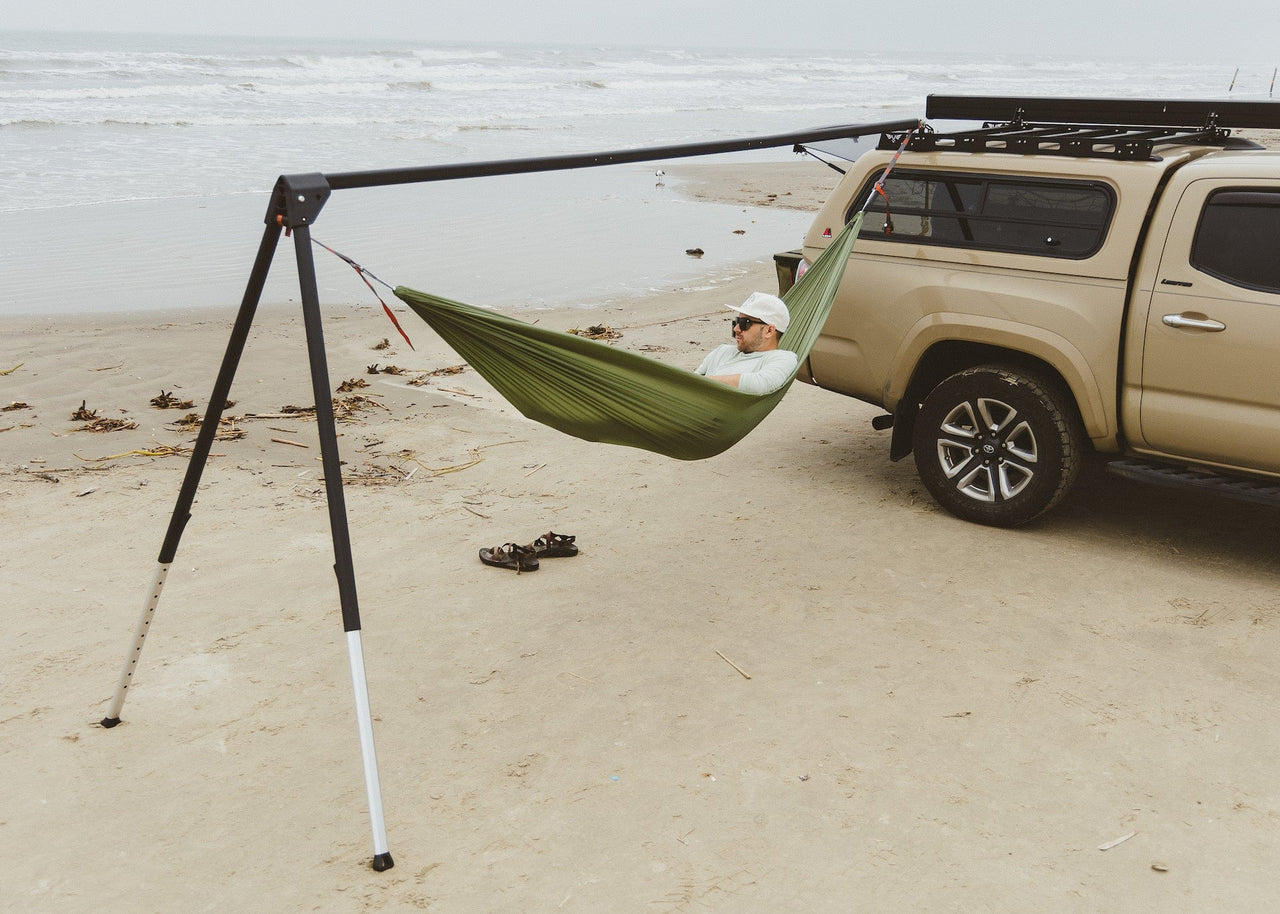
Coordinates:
(550, 545)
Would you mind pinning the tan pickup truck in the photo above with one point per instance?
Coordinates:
(1072, 276)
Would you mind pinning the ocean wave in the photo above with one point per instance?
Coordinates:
(322, 90)
(450, 53)
(100, 93)
(355, 67)
(529, 92)
(238, 123)
(514, 128)
(23, 124)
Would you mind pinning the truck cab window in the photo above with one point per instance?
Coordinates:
(1238, 238)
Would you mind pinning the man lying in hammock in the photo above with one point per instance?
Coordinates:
(753, 363)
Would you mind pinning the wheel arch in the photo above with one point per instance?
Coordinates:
(947, 357)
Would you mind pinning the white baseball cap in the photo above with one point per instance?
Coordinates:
(765, 307)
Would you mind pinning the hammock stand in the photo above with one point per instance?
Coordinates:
(296, 201)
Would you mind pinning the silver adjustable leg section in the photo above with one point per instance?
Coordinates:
(364, 719)
(139, 636)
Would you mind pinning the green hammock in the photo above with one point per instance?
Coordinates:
(598, 393)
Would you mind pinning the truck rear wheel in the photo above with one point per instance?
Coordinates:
(997, 445)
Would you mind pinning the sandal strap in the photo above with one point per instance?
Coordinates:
(513, 550)
(522, 555)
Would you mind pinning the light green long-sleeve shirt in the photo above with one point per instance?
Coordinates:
(761, 372)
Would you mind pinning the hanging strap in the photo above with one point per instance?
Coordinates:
(884, 175)
(888, 214)
(365, 276)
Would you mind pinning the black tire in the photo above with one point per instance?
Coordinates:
(998, 445)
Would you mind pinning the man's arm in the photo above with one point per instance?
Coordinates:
(730, 379)
(774, 371)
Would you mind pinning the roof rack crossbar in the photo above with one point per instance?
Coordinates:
(1132, 112)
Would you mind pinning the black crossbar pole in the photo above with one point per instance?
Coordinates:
(343, 566)
(389, 176)
(199, 457)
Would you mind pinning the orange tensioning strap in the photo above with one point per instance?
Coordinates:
(888, 216)
(364, 276)
(879, 186)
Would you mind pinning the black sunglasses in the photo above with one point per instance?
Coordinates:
(744, 323)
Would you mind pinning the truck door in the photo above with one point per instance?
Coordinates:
(1210, 380)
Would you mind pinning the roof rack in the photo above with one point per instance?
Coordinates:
(1087, 127)
(1134, 112)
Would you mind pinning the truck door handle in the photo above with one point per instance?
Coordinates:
(1193, 323)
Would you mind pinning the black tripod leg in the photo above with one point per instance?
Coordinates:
(343, 566)
(199, 456)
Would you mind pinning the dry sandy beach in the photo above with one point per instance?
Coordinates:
(778, 680)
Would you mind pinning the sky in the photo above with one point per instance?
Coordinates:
(1222, 31)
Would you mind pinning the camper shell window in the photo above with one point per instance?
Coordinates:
(1045, 217)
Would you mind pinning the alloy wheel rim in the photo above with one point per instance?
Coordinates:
(987, 450)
